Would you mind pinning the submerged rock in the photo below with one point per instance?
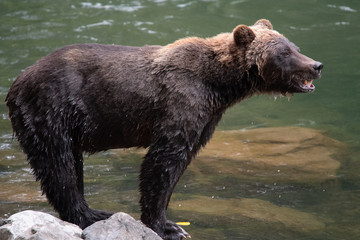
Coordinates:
(32, 225)
(256, 209)
(284, 153)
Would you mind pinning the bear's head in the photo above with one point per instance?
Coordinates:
(280, 65)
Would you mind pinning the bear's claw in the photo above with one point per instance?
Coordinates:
(174, 232)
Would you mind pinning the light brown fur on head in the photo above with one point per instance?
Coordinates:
(225, 45)
(265, 34)
(244, 49)
(244, 41)
(241, 45)
(263, 23)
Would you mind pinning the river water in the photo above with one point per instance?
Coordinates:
(326, 30)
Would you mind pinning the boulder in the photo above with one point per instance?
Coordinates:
(33, 225)
(120, 226)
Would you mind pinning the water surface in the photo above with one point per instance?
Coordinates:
(328, 31)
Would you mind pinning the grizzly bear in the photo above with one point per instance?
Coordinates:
(169, 99)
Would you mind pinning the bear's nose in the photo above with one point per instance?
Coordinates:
(318, 66)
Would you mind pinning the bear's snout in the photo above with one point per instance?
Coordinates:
(317, 67)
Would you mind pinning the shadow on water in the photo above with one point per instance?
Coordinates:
(274, 170)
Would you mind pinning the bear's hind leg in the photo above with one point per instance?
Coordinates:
(61, 178)
(90, 215)
(48, 125)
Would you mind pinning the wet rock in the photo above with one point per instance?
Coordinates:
(256, 209)
(32, 225)
(119, 226)
(38, 226)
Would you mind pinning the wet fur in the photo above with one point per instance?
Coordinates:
(92, 97)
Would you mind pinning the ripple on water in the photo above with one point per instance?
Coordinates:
(5, 146)
(142, 26)
(342, 8)
(102, 23)
(24, 15)
(121, 7)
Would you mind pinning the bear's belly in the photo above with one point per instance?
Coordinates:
(124, 135)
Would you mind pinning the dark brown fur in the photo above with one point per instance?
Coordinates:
(91, 97)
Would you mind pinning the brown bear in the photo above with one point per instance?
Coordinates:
(92, 97)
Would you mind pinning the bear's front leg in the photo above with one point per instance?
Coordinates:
(162, 167)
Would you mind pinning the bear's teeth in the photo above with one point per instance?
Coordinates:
(308, 83)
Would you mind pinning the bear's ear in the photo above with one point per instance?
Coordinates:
(264, 24)
(243, 35)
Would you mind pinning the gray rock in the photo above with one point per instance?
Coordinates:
(32, 225)
(120, 226)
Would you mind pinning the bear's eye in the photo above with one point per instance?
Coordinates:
(285, 53)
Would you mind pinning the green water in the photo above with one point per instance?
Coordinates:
(326, 30)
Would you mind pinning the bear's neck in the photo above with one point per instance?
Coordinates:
(231, 87)
(230, 74)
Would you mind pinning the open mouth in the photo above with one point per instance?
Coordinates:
(307, 85)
